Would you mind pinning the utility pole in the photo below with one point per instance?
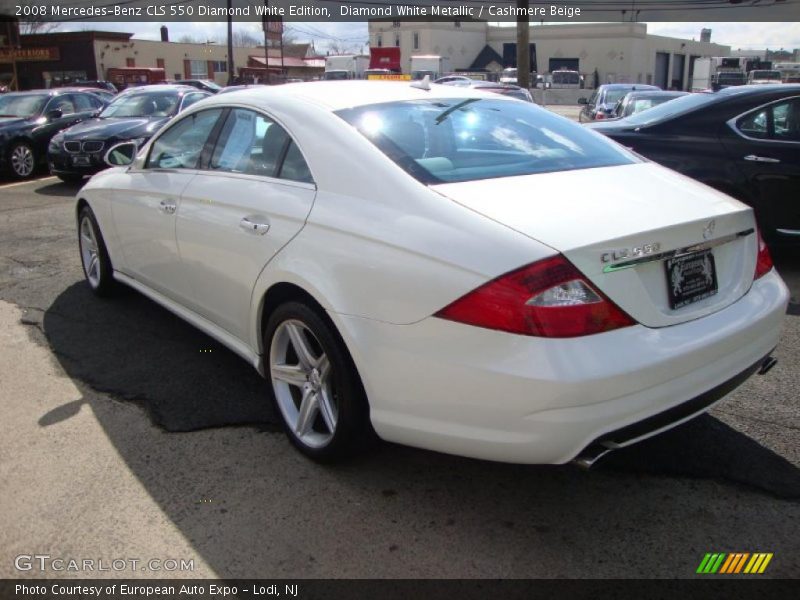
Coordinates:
(265, 25)
(523, 45)
(230, 43)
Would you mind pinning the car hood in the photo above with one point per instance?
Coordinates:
(107, 128)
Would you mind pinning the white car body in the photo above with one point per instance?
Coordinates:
(382, 253)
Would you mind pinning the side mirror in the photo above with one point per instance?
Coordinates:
(583, 101)
(54, 115)
(121, 155)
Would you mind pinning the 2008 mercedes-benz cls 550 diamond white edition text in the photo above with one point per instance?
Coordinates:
(443, 267)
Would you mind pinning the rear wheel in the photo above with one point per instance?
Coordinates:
(21, 160)
(314, 384)
(94, 256)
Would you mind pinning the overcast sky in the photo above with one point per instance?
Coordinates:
(736, 35)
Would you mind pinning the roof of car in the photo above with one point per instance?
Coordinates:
(764, 87)
(336, 95)
(168, 87)
(631, 86)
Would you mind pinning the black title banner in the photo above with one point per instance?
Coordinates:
(430, 10)
(710, 588)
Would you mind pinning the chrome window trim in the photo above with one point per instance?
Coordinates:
(732, 122)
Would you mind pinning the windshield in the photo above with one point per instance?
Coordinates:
(334, 75)
(151, 104)
(670, 109)
(566, 77)
(509, 72)
(211, 84)
(22, 105)
(458, 139)
(615, 95)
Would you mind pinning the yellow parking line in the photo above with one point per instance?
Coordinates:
(10, 185)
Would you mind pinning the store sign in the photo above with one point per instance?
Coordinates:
(393, 77)
(10, 55)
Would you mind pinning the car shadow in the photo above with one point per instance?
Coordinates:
(137, 351)
(60, 189)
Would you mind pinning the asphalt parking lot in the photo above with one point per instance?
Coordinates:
(127, 433)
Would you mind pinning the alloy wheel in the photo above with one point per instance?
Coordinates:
(22, 160)
(89, 256)
(302, 382)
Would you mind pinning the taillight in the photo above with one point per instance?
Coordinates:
(549, 298)
(763, 259)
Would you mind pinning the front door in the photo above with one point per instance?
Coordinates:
(146, 208)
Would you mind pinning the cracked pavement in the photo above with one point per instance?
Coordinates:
(126, 432)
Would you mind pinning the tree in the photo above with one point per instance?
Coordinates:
(31, 27)
(244, 38)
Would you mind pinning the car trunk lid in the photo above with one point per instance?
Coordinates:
(621, 226)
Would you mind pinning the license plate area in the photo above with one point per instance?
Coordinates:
(81, 160)
(690, 278)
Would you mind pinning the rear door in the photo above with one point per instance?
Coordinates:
(765, 146)
(249, 200)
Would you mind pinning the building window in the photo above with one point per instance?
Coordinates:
(198, 69)
(457, 24)
(416, 40)
(160, 63)
(130, 62)
(395, 23)
(219, 66)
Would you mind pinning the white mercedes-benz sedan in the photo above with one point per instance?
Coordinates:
(443, 267)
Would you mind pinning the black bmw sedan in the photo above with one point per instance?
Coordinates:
(743, 140)
(29, 119)
(133, 115)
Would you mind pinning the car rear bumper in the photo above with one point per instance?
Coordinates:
(475, 392)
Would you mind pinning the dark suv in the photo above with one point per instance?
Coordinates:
(603, 100)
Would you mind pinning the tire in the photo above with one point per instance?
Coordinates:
(94, 256)
(323, 373)
(21, 160)
(71, 178)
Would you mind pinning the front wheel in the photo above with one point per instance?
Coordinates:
(314, 384)
(94, 255)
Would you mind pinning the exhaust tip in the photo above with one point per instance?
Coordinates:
(767, 364)
(590, 455)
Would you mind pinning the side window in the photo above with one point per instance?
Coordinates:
(779, 121)
(756, 124)
(64, 104)
(249, 143)
(786, 120)
(180, 146)
(294, 166)
(190, 99)
(83, 102)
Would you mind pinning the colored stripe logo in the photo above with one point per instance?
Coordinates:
(734, 563)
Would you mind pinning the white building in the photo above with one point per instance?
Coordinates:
(619, 52)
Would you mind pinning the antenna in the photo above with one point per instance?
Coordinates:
(423, 84)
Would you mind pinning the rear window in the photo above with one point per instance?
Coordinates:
(458, 139)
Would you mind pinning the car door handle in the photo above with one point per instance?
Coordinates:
(764, 159)
(250, 225)
(168, 206)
